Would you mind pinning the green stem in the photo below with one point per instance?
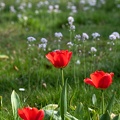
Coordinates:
(70, 35)
(62, 77)
(84, 60)
(63, 102)
(102, 101)
(0, 103)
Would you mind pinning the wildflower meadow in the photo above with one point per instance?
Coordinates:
(59, 59)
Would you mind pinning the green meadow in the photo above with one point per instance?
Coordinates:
(23, 63)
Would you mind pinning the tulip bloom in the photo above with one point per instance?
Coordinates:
(59, 58)
(29, 113)
(100, 79)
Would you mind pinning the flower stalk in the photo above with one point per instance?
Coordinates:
(63, 101)
(0, 103)
(62, 77)
(102, 92)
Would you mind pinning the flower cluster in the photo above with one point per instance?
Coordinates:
(43, 44)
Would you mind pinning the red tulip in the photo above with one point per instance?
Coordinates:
(29, 113)
(59, 58)
(100, 79)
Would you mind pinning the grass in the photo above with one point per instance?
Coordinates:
(24, 64)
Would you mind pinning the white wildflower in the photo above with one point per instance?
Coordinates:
(74, 9)
(110, 49)
(95, 35)
(42, 46)
(78, 62)
(12, 9)
(51, 7)
(116, 34)
(56, 6)
(82, 1)
(36, 12)
(44, 40)
(46, 2)
(58, 35)
(85, 36)
(93, 49)
(25, 18)
(112, 37)
(92, 2)
(30, 39)
(70, 44)
(72, 27)
(70, 20)
(29, 5)
(2, 5)
(78, 37)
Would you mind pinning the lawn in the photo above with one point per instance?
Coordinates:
(29, 30)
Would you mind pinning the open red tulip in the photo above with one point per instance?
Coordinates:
(59, 58)
(100, 79)
(29, 113)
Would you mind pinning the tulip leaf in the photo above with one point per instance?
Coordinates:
(93, 114)
(94, 99)
(51, 107)
(105, 116)
(68, 116)
(52, 115)
(116, 117)
(109, 106)
(79, 111)
(63, 102)
(15, 101)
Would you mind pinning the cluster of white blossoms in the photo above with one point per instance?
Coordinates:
(31, 39)
(58, 35)
(78, 37)
(71, 7)
(43, 44)
(70, 44)
(70, 21)
(54, 8)
(85, 36)
(42, 3)
(114, 36)
(95, 35)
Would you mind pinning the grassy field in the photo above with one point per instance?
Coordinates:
(24, 65)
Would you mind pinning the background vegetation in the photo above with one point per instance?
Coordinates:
(20, 19)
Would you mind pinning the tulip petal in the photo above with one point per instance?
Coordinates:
(33, 113)
(69, 55)
(60, 60)
(105, 81)
(89, 81)
(112, 74)
(50, 57)
(40, 115)
(23, 114)
(96, 76)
